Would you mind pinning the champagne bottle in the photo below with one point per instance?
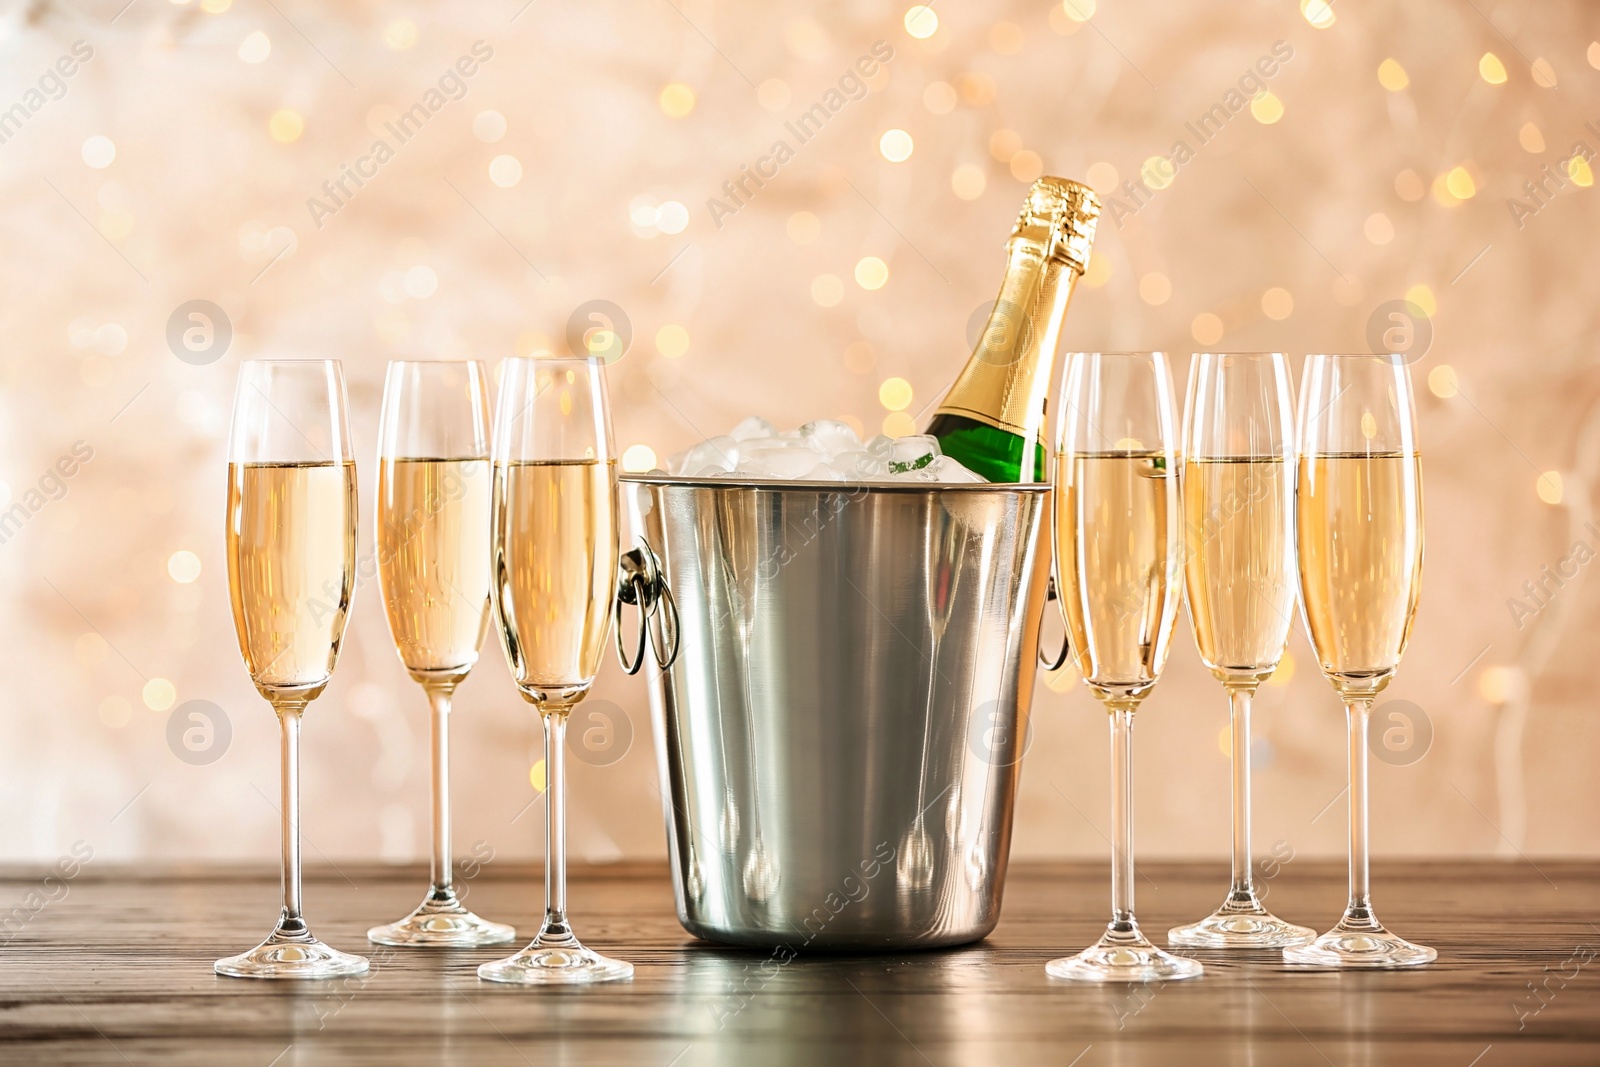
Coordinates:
(992, 419)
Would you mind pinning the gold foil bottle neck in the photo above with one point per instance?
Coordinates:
(1060, 215)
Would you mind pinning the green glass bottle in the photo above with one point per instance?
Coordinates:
(993, 418)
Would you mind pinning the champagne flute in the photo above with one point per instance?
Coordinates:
(1358, 524)
(1238, 502)
(291, 571)
(1119, 552)
(433, 568)
(555, 573)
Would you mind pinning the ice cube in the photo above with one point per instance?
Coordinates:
(860, 464)
(913, 453)
(830, 436)
(946, 469)
(880, 446)
(827, 472)
(753, 427)
(777, 459)
(721, 453)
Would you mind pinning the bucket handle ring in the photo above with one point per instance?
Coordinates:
(1066, 644)
(642, 582)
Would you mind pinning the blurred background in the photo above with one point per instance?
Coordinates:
(187, 185)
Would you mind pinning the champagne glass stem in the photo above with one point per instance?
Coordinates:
(442, 872)
(555, 822)
(1243, 890)
(291, 922)
(1359, 910)
(1122, 920)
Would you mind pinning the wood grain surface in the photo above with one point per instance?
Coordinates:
(115, 968)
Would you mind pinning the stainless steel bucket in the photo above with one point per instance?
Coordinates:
(841, 734)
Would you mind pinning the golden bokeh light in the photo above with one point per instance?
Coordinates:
(895, 145)
(1003, 144)
(1422, 296)
(803, 227)
(672, 340)
(1548, 486)
(487, 126)
(638, 459)
(1206, 328)
(1007, 38)
(895, 394)
(159, 694)
(1491, 70)
(1392, 76)
(1277, 304)
(1499, 684)
(99, 151)
(505, 171)
(1530, 138)
(1102, 177)
(860, 357)
(1026, 165)
(1579, 170)
(871, 273)
(1460, 184)
(921, 22)
(1285, 672)
(183, 566)
(1442, 381)
(968, 181)
(286, 126)
(1408, 186)
(1078, 10)
(827, 290)
(1266, 108)
(939, 98)
(115, 712)
(1544, 73)
(1063, 681)
(899, 424)
(400, 35)
(976, 89)
(1378, 229)
(676, 100)
(1318, 12)
(255, 48)
(1157, 172)
(536, 776)
(1155, 289)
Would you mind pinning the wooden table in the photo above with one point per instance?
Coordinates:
(118, 971)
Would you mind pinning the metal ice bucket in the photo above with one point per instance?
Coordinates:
(841, 734)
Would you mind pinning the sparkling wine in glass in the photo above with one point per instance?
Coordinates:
(1119, 558)
(1238, 503)
(291, 570)
(555, 551)
(434, 490)
(1358, 524)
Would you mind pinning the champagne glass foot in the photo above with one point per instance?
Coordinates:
(1123, 957)
(441, 921)
(292, 956)
(555, 961)
(1240, 925)
(1359, 945)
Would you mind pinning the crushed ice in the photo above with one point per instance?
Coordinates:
(825, 450)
